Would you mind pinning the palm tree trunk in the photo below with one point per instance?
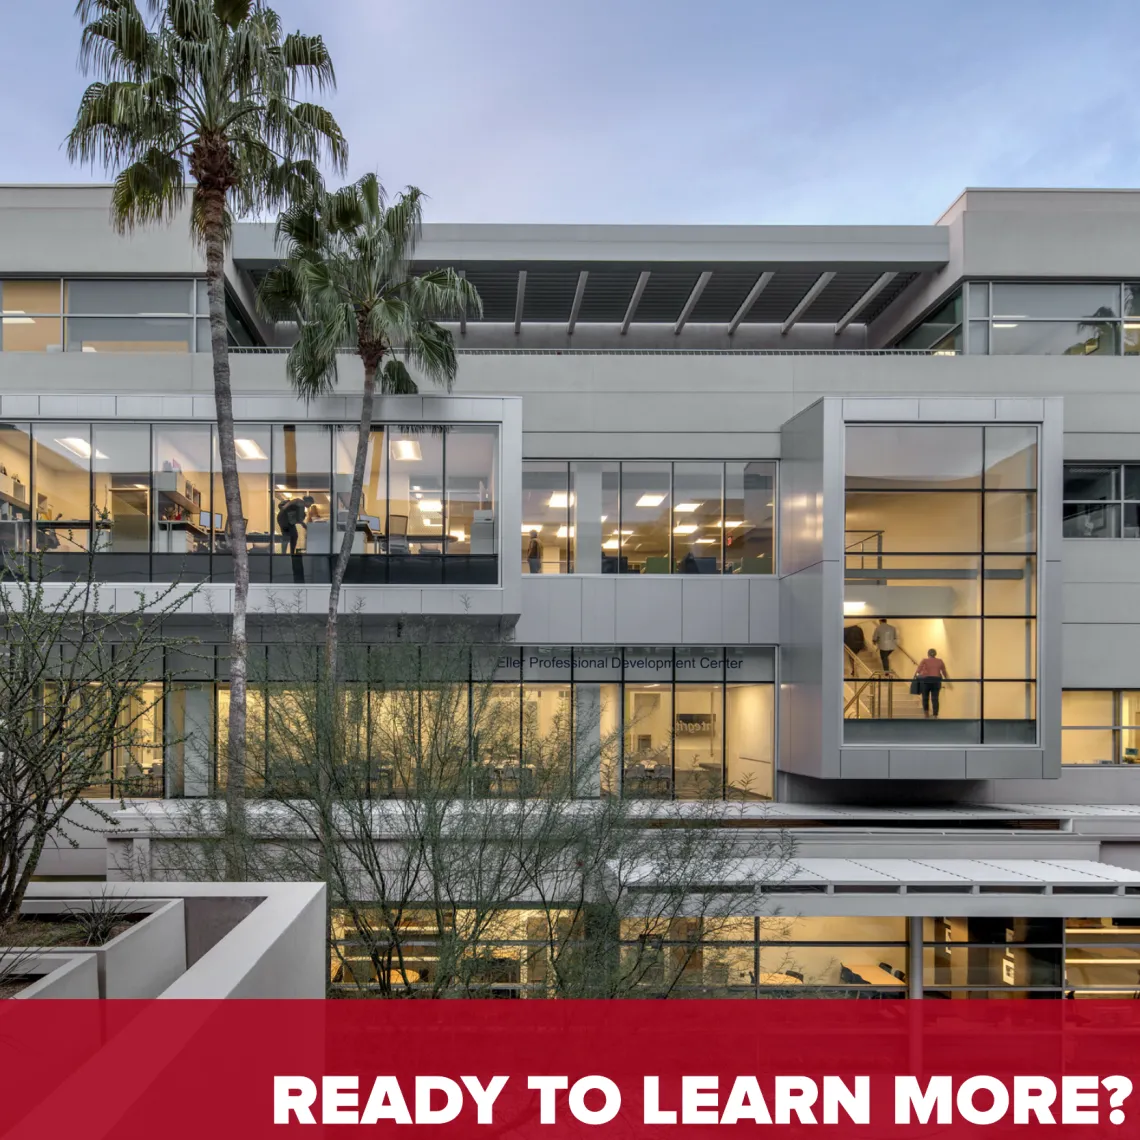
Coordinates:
(235, 528)
(354, 497)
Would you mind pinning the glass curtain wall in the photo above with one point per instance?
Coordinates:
(839, 957)
(1053, 318)
(1102, 500)
(649, 722)
(941, 584)
(139, 315)
(153, 495)
(1100, 726)
(15, 488)
(591, 517)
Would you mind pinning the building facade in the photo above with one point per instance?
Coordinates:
(842, 521)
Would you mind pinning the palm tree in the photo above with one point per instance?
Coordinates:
(201, 99)
(344, 277)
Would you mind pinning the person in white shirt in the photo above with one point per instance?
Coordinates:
(886, 640)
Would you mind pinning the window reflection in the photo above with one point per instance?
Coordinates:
(915, 560)
(62, 479)
(253, 445)
(186, 519)
(646, 509)
(121, 471)
(372, 518)
(302, 495)
(546, 503)
(472, 491)
(416, 499)
(15, 488)
(31, 321)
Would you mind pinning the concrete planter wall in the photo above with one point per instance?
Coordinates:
(142, 961)
(62, 976)
(201, 940)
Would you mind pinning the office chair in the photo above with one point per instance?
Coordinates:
(795, 974)
(397, 534)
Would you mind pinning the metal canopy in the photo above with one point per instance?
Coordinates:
(899, 876)
(608, 293)
(668, 275)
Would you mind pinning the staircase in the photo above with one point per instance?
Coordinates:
(871, 694)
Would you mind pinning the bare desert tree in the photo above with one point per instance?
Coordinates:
(458, 864)
(74, 665)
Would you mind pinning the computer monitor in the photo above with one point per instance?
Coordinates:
(207, 520)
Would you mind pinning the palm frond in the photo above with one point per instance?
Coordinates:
(232, 12)
(150, 190)
(212, 84)
(396, 380)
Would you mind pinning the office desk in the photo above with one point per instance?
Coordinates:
(871, 974)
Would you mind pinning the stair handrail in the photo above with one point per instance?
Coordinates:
(861, 685)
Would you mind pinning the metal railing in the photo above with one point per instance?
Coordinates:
(872, 688)
(258, 349)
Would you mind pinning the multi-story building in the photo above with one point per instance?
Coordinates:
(731, 487)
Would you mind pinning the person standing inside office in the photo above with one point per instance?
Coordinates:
(293, 513)
(930, 674)
(534, 553)
(886, 640)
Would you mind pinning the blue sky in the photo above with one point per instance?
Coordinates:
(679, 110)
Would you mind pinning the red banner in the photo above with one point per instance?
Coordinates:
(167, 1070)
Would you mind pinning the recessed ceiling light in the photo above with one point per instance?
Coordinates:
(604, 517)
(686, 508)
(688, 528)
(651, 500)
(730, 523)
(611, 544)
(562, 532)
(528, 527)
(704, 541)
(430, 506)
(78, 447)
(560, 500)
(406, 450)
(459, 535)
(16, 317)
(627, 533)
(854, 607)
(248, 449)
(432, 522)
(1005, 324)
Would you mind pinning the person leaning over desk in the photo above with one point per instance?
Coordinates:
(292, 514)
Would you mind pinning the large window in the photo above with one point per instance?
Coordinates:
(941, 580)
(153, 498)
(1052, 318)
(941, 332)
(15, 488)
(980, 957)
(1100, 726)
(1102, 500)
(653, 723)
(590, 517)
(746, 956)
(139, 315)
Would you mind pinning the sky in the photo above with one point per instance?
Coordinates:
(677, 111)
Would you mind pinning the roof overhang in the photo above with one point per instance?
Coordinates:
(669, 275)
(1073, 888)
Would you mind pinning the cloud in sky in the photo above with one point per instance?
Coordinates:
(679, 110)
